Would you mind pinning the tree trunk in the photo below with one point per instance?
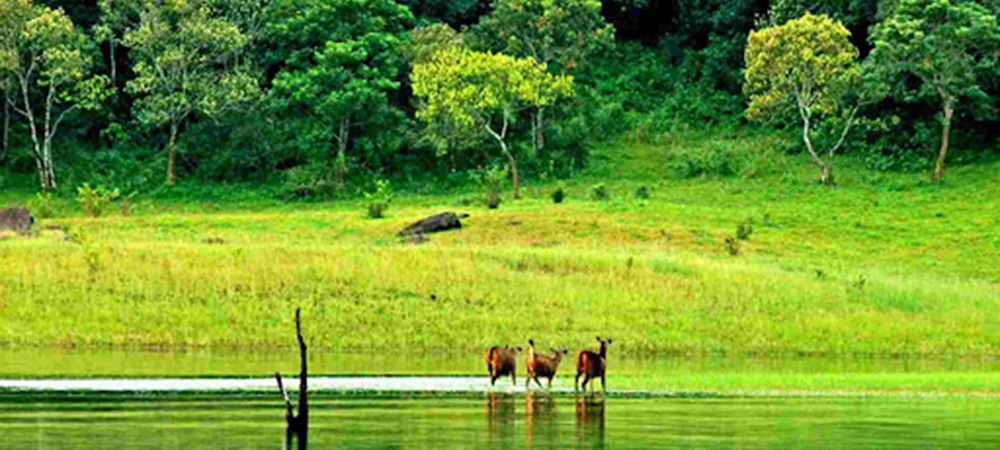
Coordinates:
(297, 426)
(500, 137)
(823, 171)
(6, 127)
(344, 134)
(513, 171)
(939, 167)
(170, 153)
(113, 64)
(538, 124)
(36, 146)
(50, 173)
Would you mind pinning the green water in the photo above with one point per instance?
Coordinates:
(101, 421)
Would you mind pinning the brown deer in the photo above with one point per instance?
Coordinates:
(502, 361)
(542, 365)
(592, 365)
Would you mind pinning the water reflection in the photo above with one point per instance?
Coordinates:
(501, 415)
(540, 419)
(590, 421)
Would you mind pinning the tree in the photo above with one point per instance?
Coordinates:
(486, 90)
(184, 55)
(341, 61)
(948, 46)
(444, 135)
(561, 34)
(810, 65)
(46, 56)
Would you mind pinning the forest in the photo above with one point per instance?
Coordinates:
(329, 98)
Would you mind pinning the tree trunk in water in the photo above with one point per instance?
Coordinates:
(170, 154)
(297, 426)
(939, 167)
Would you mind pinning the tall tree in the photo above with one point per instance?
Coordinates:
(561, 34)
(444, 135)
(340, 67)
(486, 90)
(184, 54)
(948, 46)
(46, 56)
(808, 64)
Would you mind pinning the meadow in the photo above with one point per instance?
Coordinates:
(882, 265)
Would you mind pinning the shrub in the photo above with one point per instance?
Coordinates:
(558, 195)
(599, 192)
(642, 193)
(310, 181)
(732, 246)
(726, 159)
(43, 206)
(492, 180)
(378, 202)
(744, 229)
(95, 201)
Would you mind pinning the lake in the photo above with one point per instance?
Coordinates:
(87, 399)
(496, 420)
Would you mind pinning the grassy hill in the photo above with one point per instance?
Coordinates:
(882, 264)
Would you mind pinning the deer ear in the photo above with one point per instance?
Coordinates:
(598, 338)
(532, 342)
(609, 340)
(520, 349)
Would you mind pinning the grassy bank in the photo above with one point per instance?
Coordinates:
(880, 265)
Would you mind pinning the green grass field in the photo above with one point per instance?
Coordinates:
(883, 264)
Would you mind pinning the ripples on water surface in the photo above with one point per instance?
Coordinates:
(194, 422)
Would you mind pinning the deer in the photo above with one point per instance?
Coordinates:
(592, 365)
(542, 365)
(502, 361)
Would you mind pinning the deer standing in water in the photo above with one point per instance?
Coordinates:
(592, 365)
(542, 365)
(502, 361)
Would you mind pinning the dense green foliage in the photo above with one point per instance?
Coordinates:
(317, 96)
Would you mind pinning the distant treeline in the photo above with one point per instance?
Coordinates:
(328, 95)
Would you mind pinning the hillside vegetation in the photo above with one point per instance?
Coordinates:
(882, 264)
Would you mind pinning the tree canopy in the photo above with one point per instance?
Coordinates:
(950, 47)
(485, 90)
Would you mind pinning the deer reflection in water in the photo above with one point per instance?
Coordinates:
(540, 419)
(501, 415)
(590, 421)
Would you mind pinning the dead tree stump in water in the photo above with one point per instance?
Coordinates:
(297, 425)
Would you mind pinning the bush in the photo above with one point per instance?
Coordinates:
(642, 193)
(43, 206)
(95, 201)
(744, 229)
(599, 192)
(727, 159)
(492, 181)
(558, 195)
(378, 202)
(309, 181)
(732, 246)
